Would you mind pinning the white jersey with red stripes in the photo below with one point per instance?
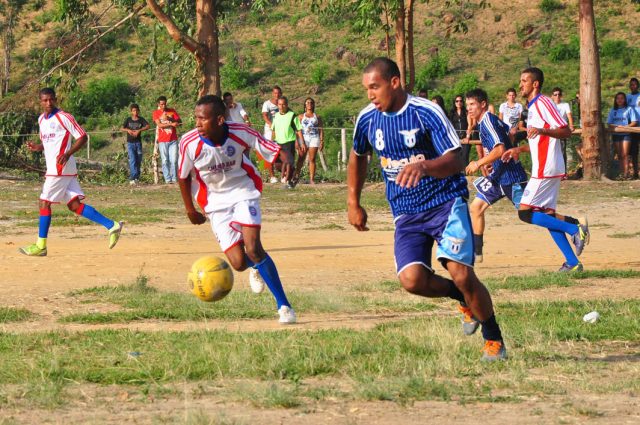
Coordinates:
(546, 152)
(221, 174)
(56, 131)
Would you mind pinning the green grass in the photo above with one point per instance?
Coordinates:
(9, 314)
(545, 279)
(624, 235)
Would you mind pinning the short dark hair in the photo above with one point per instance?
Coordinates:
(284, 98)
(635, 80)
(162, 99)
(558, 89)
(47, 90)
(216, 103)
(276, 87)
(478, 94)
(615, 104)
(510, 90)
(134, 105)
(385, 66)
(226, 94)
(536, 73)
(425, 91)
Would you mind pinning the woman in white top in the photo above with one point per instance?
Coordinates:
(622, 115)
(313, 135)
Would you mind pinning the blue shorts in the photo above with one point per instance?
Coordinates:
(448, 224)
(491, 192)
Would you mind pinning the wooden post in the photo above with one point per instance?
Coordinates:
(343, 150)
(154, 158)
(88, 146)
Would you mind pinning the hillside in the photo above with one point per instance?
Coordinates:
(307, 54)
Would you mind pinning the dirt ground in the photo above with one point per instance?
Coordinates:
(307, 258)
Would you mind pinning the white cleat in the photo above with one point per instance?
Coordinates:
(287, 315)
(255, 281)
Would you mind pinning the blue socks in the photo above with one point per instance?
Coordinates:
(558, 228)
(45, 222)
(269, 273)
(90, 213)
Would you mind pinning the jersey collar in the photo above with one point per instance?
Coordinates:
(401, 110)
(55, 111)
(212, 143)
(534, 100)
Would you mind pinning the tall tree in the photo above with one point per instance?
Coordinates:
(590, 114)
(10, 12)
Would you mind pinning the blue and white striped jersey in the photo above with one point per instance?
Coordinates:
(494, 132)
(418, 131)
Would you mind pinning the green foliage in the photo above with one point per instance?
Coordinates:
(11, 146)
(546, 39)
(466, 83)
(550, 6)
(437, 67)
(617, 49)
(319, 73)
(565, 51)
(106, 95)
(235, 74)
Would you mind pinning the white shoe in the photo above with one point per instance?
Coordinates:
(255, 281)
(283, 180)
(273, 180)
(287, 315)
(132, 182)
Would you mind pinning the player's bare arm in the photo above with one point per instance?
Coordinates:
(444, 166)
(267, 120)
(556, 133)
(63, 158)
(35, 147)
(356, 175)
(514, 153)
(195, 216)
(495, 154)
(301, 147)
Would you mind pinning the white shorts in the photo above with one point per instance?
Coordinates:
(268, 133)
(541, 193)
(312, 141)
(61, 188)
(227, 224)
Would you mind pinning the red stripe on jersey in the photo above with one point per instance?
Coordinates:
(183, 153)
(251, 172)
(63, 149)
(198, 150)
(202, 195)
(272, 146)
(239, 140)
(551, 107)
(74, 123)
(543, 152)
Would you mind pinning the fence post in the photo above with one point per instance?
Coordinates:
(343, 137)
(88, 147)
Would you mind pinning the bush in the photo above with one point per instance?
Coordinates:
(319, 73)
(235, 75)
(437, 67)
(561, 52)
(464, 84)
(617, 49)
(106, 95)
(549, 6)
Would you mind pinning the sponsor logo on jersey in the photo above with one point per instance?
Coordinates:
(222, 167)
(392, 167)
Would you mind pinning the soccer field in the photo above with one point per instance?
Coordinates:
(89, 335)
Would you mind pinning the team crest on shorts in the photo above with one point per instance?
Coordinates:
(231, 151)
(252, 211)
(456, 244)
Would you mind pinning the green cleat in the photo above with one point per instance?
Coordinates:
(33, 251)
(114, 234)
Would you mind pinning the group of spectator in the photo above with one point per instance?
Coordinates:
(625, 112)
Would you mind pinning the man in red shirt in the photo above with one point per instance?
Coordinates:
(167, 120)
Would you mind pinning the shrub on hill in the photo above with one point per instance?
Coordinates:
(106, 95)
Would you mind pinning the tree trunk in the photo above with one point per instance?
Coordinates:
(7, 43)
(387, 39)
(401, 49)
(207, 37)
(412, 66)
(592, 129)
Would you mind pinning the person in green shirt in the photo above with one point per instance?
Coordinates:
(287, 132)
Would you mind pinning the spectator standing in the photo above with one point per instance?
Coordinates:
(235, 111)
(269, 111)
(313, 137)
(134, 126)
(510, 112)
(288, 134)
(423, 93)
(438, 100)
(565, 112)
(167, 120)
(633, 100)
(458, 117)
(622, 115)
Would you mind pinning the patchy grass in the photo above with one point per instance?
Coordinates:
(10, 314)
(545, 279)
(625, 235)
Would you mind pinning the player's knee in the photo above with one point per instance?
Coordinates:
(76, 207)
(525, 215)
(238, 264)
(254, 253)
(413, 280)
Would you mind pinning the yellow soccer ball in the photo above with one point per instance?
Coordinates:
(210, 278)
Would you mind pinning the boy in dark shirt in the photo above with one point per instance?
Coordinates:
(134, 126)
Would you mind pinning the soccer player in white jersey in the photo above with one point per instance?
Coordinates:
(419, 153)
(227, 186)
(545, 127)
(61, 182)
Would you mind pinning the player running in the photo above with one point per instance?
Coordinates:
(506, 178)
(227, 186)
(545, 128)
(61, 181)
(419, 153)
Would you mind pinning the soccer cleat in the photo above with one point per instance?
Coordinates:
(582, 236)
(568, 269)
(469, 323)
(493, 350)
(273, 179)
(287, 315)
(114, 233)
(33, 251)
(255, 281)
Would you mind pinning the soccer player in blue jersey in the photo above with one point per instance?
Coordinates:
(419, 152)
(507, 179)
